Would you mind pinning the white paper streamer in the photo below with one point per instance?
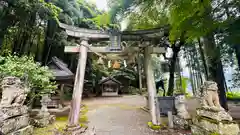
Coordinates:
(109, 63)
(125, 63)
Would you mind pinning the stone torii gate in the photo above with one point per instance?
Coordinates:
(84, 35)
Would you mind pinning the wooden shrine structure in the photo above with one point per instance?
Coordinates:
(85, 36)
(63, 76)
(110, 86)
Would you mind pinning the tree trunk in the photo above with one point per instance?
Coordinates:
(203, 59)
(172, 69)
(199, 77)
(179, 74)
(191, 72)
(51, 28)
(215, 68)
(237, 51)
(192, 82)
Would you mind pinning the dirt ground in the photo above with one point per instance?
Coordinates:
(118, 115)
(121, 116)
(124, 116)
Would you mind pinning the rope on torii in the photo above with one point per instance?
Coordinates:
(130, 55)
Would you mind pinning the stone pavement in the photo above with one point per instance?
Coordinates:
(118, 115)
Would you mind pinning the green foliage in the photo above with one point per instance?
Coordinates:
(21, 25)
(104, 21)
(233, 95)
(149, 19)
(54, 11)
(82, 14)
(133, 90)
(215, 133)
(236, 78)
(184, 84)
(128, 73)
(38, 77)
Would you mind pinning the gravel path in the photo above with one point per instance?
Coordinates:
(118, 116)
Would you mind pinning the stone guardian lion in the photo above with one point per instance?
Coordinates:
(210, 99)
(13, 92)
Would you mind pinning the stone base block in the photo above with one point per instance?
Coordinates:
(217, 115)
(42, 121)
(12, 111)
(181, 123)
(207, 127)
(199, 131)
(75, 130)
(14, 124)
(24, 131)
(79, 131)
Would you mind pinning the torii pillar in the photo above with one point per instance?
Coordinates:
(73, 118)
(153, 103)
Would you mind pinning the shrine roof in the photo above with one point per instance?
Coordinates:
(60, 70)
(105, 80)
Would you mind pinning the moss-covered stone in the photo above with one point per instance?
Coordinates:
(154, 127)
(215, 133)
(207, 109)
(209, 126)
(199, 118)
(60, 124)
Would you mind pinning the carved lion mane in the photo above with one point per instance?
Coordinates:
(13, 92)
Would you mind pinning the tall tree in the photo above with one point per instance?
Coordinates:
(198, 19)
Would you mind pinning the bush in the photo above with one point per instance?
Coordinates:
(233, 95)
(132, 90)
(35, 76)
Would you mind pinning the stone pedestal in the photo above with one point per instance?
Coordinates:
(208, 122)
(182, 120)
(216, 115)
(15, 120)
(181, 123)
(43, 118)
(23, 131)
(211, 118)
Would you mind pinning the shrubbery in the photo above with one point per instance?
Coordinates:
(233, 95)
(37, 77)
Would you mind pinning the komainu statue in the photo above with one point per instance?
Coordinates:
(13, 92)
(211, 117)
(210, 97)
(181, 107)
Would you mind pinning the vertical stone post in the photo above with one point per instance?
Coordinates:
(170, 119)
(44, 102)
(78, 85)
(61, 95)
(139, 72)
(151, 86)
